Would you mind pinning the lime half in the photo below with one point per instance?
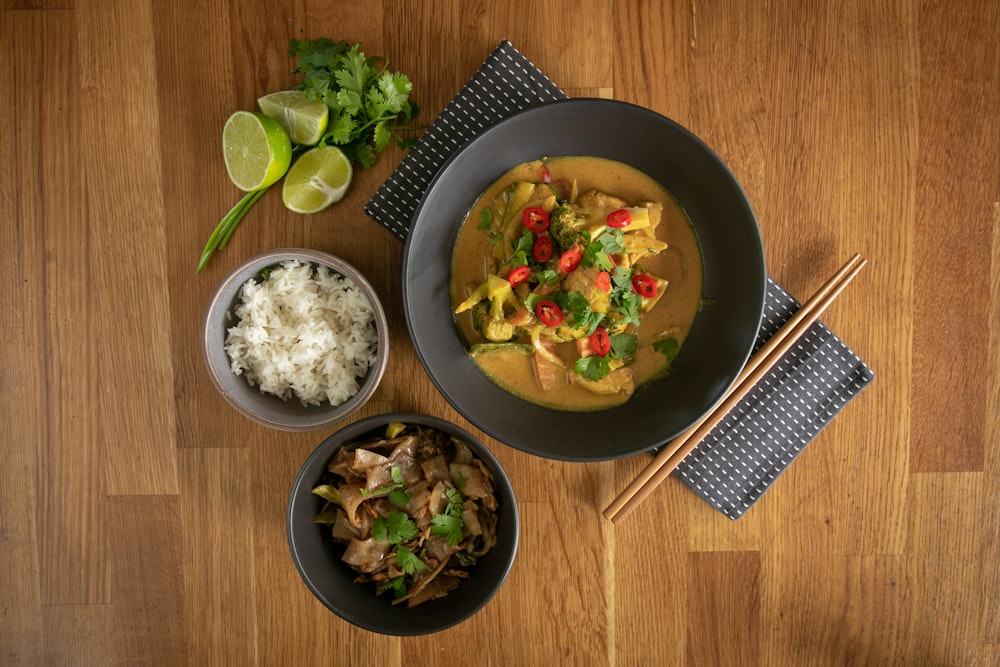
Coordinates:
(304, 121)
(320, 177)
(256, 149)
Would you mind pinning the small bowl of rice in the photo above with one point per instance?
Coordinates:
(295, 339)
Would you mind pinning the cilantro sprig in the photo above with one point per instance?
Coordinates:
(668, 347)
(396, 527)
(397, 493)
(370, 106)
(449, 523)
(595, 367)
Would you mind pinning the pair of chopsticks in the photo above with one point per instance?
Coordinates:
(758, 366)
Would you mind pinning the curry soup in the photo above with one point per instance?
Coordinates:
(537, 362)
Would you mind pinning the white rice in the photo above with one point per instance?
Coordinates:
(306, 332)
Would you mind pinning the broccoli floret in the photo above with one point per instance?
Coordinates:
(567, 227)
(492, 329)
(492, 303)
(616, 322)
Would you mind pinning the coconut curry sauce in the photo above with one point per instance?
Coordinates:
(574, 281)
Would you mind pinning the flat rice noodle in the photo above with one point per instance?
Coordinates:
(417, 505)
(435, 469)
(367, 555)
(405, 446)
(351, 499)
(438, 501)
(404, 458)
(438, 588)
(421, 584)
(365, 459)
(481, 545)
(462, 452)
(437, 547)
(342, 528)
(379, 477)
(341, 466)
(470, 480)
(470, 519)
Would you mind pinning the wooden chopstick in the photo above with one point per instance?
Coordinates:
(758, 365)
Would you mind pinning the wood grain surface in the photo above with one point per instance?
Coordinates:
(142, 519)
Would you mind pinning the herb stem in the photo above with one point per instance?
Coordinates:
(224, 230)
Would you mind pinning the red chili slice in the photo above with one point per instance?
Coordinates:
(604, 281)
(644, 285)
(600, 342)
(542, 250)
(569, 260)
(536, 219)
(546, 175)
(618, 219)
(549, 313)
(518, 275)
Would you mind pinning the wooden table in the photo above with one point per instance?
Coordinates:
(142, 519)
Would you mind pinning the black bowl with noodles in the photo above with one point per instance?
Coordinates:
(719, 342)
(317, 556)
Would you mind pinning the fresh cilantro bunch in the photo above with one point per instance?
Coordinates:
(370, 106)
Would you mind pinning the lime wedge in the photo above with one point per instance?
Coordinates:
(320, 177)
(256, 149)
(304, 121)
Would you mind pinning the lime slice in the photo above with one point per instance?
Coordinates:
(256, 149)
(304, 121)
(320, 177)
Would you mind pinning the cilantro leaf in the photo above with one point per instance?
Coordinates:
(449, 523)
(399, 497)
(352, 72)
(593, 367)
(397, 585)
(623, 346)
(580, 312)
(522, 249)
(395, 527)
(395, 89)
(549, 277)
(455, 498)
(448, 526)
(408, 561)
(485, 219)
(396, 474)
(667, 347)
(625, 303)
(599, 251)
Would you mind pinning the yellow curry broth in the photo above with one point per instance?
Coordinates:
(680, 264)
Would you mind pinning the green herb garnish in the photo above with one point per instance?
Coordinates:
(408, 561)
(396, 493)
(395, 527)
(485, 219)
(668, 347)
(593, 367)
(449, 523)
(370, 106)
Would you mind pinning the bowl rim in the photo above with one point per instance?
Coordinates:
(301, 491)
(547, 445)
(215, 316)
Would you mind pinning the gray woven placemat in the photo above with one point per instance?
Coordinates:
(743, 455)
